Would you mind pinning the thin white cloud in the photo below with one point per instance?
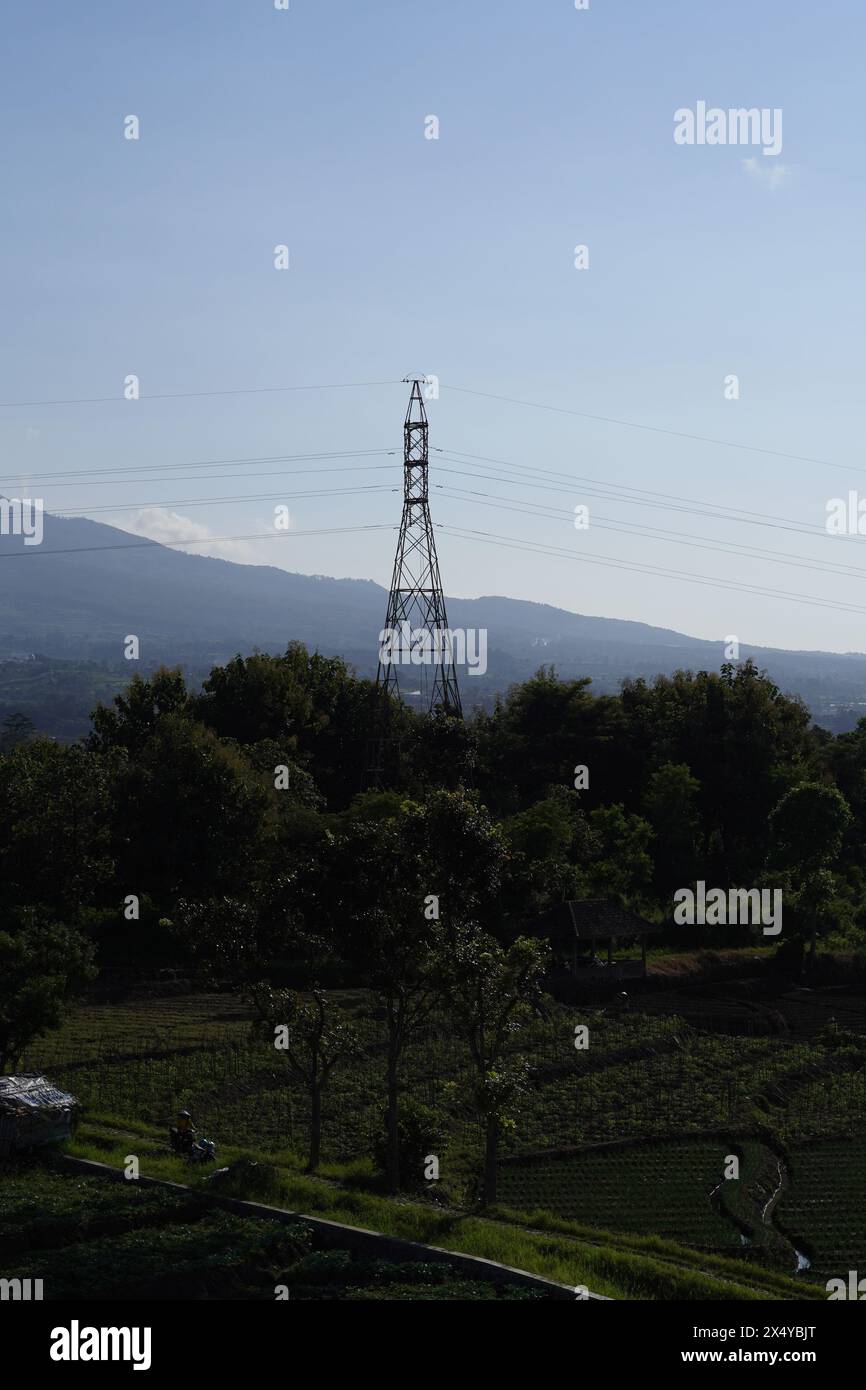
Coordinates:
(170, 528)
(768, 172)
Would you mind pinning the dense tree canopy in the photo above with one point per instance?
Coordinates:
(255, 802)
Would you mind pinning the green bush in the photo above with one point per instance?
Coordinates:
(419, 1133)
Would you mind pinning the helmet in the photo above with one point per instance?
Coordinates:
(184, 1115)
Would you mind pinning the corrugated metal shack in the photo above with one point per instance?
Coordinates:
(33, 1112)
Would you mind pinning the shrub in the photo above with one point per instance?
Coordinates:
(419, 1134)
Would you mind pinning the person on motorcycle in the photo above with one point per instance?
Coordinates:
(182, 1134)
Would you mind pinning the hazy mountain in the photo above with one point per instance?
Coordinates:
(76, 597)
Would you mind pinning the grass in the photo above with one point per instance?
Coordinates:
(607, 1263)
(93, 1238)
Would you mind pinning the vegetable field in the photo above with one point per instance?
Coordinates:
(91, 1238)
(650, 1079)
(660, 1188)
(824, 1209)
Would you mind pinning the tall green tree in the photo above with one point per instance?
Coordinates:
(314, 1037)
(43, 967)
(57, 810)
(135, 714)
(399, 867)
(492, 992)
(671, 808)
(808, 827)
(312, 705)
(191, 815)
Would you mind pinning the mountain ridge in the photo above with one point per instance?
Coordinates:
(78, 595)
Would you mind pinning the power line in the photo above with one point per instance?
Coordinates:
(79, 473)
(516, 543)
(207, 540)
(217, 501)
(558, 552)
(739, 512)
(225, 477)
(747, 552)
(612, 491)
(192, 395)
(539, 509)
(648, 500)
(522, 508)
(463, 390)
(712, 510)
(653, 429)
(693, 506)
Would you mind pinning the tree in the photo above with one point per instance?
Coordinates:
(670, 803)
(846, 761)
(807, 827)
(533, 739)
(311, 704)
(396, 866)
(56, 814)
(620, 865)
(440, 751)
(379, 903)
(314, 1039)
(492, 992)
(743, 740)
(138, 711)
(42, 967)
(546, 843)
(190, 814)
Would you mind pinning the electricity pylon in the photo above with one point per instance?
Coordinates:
(416, 626)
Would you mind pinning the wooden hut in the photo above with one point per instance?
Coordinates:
(584, 935)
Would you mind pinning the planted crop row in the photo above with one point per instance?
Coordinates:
(663, 1190)
(823, 1209)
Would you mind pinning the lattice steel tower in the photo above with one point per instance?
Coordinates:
(416, 620)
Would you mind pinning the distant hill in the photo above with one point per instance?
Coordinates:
(73, 600)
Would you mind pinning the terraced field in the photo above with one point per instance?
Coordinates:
(661, 1189)
(808, 1011)
(824, 1210)
(833, 1104)
(650, 1078)
(619, 1266)
(688, 1081)
(741, 1007)
(641, 1077)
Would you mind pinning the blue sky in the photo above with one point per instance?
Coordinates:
(453, 257)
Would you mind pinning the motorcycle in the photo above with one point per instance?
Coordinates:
(202, 1151)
